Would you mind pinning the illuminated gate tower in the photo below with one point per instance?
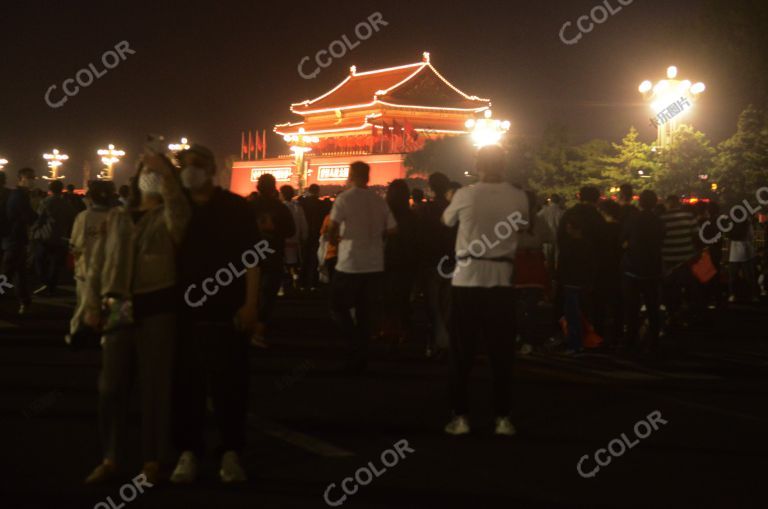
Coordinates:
(373, 116)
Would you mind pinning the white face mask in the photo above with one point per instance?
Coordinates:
(194, 177)
(150, 182)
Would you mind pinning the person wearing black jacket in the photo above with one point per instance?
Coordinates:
(642, 237)
(581, 242)
(438, 255)
(54, 226)
(19, 216)
(401, 260)
(275, 224)
(215, 318)
(314, 210)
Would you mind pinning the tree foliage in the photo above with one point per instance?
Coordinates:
(688, 157)
(553, 163)
(450, 155)
(741, 166)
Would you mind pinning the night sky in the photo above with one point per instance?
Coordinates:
(210, 70)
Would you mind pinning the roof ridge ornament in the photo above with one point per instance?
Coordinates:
(353, 70)
(425, 57)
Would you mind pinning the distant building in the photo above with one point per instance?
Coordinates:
(374, 116)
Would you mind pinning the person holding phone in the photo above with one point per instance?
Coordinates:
(133, 276)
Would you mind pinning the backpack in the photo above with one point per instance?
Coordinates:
(42, 229)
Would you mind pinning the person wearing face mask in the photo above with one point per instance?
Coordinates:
(19, 216)
(215, 324)
(133, 274)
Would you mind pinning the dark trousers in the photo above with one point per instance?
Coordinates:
(487, 315)
(676, 282)
(398, 286)
(309, 263)
(608, 314)
(360, 292)
(437, 291)
(49, 261)
(210, 356)
(574, 311)
(637, 291)
(748, 271)
(531, 322)
(269, 285)
(15, 268)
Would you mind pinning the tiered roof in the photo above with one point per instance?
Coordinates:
(415, 93)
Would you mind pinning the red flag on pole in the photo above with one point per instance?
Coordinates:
(251, 146)
(243, 146)
(264, 145)
(258, 145)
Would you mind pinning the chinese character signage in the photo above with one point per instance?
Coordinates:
(280, 174)
(670, 111)
(333, 173)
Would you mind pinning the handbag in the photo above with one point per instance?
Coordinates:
(703, 269)
(590, 338)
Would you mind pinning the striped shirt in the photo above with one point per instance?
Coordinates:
(679, 232)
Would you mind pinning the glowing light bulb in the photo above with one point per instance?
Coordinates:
(671, 72)
(698, 88)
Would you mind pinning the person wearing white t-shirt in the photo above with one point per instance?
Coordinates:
(359, 221)
(489, 215)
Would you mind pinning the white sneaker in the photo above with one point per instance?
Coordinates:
(458, 425)
(186, 469)
(231, 471)
(526, 349)
(732, 298)
(504, 427)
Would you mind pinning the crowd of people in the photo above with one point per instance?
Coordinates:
(490, 267)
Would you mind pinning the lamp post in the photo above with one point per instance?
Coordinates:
(110, 157)
(669, 100)
(487, 130)
(54, 159)
(299, 146)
